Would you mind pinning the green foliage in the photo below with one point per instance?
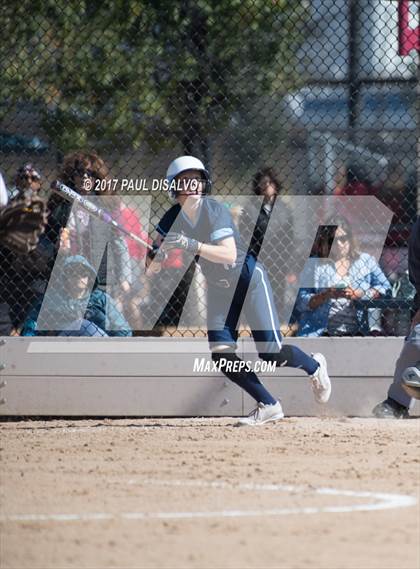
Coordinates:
(115, 72)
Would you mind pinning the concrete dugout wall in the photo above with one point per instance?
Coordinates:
(155, 377)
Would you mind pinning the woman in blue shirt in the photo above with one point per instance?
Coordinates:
(345, 275)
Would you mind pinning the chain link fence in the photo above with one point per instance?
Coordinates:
(280, 99)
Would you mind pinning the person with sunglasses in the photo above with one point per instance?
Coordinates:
(236, 282)
(348, 275)
(28, 181)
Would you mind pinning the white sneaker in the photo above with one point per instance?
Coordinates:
(320, 382)
(263, 414)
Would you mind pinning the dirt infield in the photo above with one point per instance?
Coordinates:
(201, 493)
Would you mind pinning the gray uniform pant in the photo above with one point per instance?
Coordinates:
(409, 356)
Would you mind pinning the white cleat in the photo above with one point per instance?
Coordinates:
(320, 382)
(262, 414)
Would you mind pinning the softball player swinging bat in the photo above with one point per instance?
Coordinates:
(200, 225)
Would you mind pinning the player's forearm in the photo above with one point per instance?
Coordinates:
(218, 253)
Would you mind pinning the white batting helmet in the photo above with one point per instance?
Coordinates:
(184, 163)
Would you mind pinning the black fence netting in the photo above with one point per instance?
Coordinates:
(303, 112)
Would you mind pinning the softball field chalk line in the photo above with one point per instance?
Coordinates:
(383, 502)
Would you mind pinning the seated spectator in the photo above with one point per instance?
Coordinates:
(348, 275)
(65, 306)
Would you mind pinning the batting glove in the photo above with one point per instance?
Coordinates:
(179, 241)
